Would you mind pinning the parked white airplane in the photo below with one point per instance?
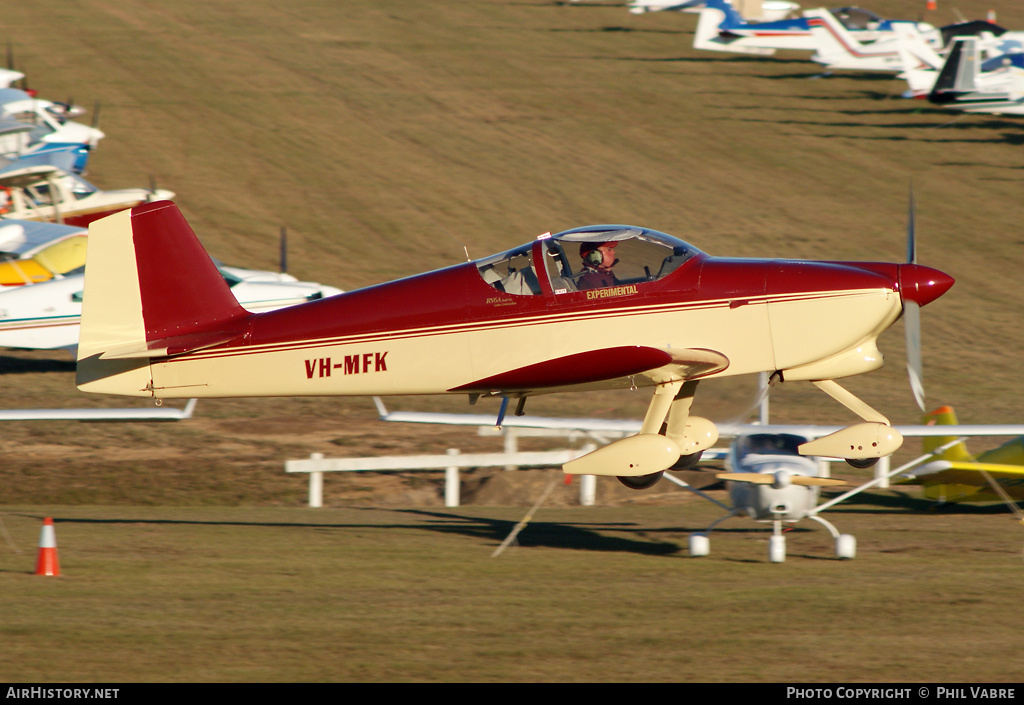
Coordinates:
(34, 188)
(720, 27)
(48, 125)
(995, 48)
(972, 85)
(44, 314)
(767, 479)
(751, 10)
(838, 48)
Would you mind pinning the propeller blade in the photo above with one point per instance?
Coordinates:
(815, 481)
(915, 366)
(912, 315)
(911, 227)
(752, 477)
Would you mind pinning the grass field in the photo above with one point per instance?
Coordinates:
(383, 134)
(597, 594)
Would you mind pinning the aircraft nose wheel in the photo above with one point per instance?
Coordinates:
(846, 546)
(700, 545)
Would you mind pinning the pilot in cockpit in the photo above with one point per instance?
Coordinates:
(598, 260)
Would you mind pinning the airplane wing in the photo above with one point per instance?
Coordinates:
(630, 426)
(161, 413)
(22, 238)
(17, 175)
(962, 472)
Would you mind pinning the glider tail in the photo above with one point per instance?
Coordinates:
(944, 416)
(151, 291)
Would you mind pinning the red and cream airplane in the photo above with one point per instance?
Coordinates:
(598, 307)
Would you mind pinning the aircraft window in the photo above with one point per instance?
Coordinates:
(1003, 61)
(855, 18)
(604, 256)
(39, 194)
(511, 272)
(29, 117)
(770, 444)
(79, 188)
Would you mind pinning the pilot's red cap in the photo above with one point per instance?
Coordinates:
(586, 247)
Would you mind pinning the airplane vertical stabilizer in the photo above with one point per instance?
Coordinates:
(960, 71)
(150, 291)
(713, 24)
(944, 416)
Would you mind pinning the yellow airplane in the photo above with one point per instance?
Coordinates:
(957, 476)
(60, 258)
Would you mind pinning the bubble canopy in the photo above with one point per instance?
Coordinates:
(638, 255)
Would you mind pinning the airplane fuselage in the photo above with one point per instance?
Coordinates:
(449, 331)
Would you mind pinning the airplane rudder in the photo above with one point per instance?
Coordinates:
(111, 310)
(944, 416)
(179, 283)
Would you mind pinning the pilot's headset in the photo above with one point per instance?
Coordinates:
(591, 255)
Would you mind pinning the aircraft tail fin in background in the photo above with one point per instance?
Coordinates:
(151, 290)
(715, 20)
(960, 72)
(944, 416)
(921, 64)
(837, 47)
(731, 16)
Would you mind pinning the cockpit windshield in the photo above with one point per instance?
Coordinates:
(856, 18)
(592, 257)
(769, 444)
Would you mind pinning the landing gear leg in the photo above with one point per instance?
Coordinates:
(861, 442)
(777, 543)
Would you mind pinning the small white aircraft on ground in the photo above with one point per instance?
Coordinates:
(751, 10)
(973, 85)
(38, 188)
(767, 478)
(837, 48)
(48, 125)
(986, 56)
(720, 27)
(45, 311)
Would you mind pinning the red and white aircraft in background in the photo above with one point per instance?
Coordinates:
(159, 321)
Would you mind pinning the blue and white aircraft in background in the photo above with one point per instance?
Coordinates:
(721, 27)
(752, 10)
(30, 125)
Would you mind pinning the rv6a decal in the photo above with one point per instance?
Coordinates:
(348, 365)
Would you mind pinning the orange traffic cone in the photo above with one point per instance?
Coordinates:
(931, 5)
(47, 563)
